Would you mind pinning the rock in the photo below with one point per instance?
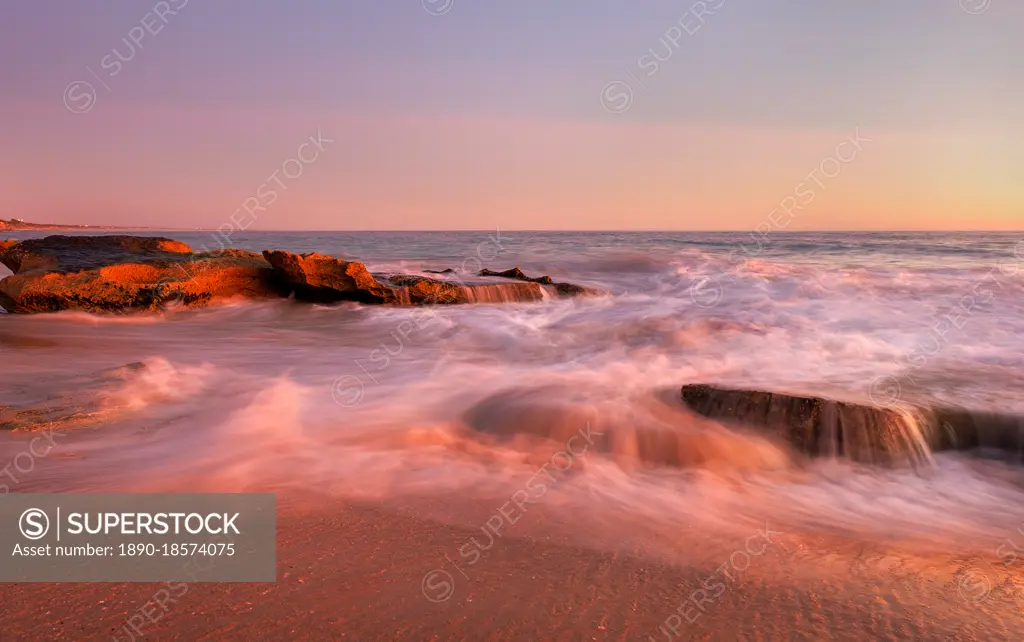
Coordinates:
(570, 289)
(861, 432)
(961, 429)
(516, 273)
(816, 426)
(418, 290)
(67, 254)
(444, 271)
(4, 246)
(562, 289)
(324, 279)
(143, 285)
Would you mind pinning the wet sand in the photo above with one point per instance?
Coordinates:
(355, 571)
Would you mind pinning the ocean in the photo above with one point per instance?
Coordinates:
(383, 404)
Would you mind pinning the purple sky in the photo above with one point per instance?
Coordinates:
(576, 114)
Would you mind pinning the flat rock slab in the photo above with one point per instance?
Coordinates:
(66, 254)
(142, 285)
(825, 427)
(960, 429)
(813, 425)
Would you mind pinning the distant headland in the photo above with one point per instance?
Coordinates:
(21, 225)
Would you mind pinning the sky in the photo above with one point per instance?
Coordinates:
(532, 114)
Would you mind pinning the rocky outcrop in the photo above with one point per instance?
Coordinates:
(113, 273)
(314, 277)
(140, 285)
(562, 289)
(324, 279)
(824, 427)
(67, 254)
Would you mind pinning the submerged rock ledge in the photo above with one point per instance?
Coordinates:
(562, 289)
(116, 273)
(825, 427)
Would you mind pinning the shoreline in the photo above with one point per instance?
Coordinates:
(349, 570)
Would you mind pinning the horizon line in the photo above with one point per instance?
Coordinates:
(577, 231)
(115, 228)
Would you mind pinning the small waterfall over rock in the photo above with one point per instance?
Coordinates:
(864, 433)
(819, 427)
(502, 292)
(416, 290)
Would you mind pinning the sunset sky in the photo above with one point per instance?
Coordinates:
(514, 114)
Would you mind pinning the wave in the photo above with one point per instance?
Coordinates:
(156, 381)
(646, 462)
(649, 429)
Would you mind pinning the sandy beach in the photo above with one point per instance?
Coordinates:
(354, 571)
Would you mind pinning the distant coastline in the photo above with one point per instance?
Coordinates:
(18, 225)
